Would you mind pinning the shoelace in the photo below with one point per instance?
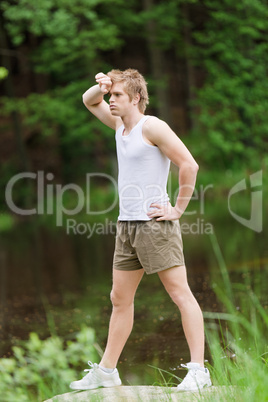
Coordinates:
(93, 366)
(190, 376)
(184, 365)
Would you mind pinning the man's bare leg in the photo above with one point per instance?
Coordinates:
(125, 284)
(175, 282)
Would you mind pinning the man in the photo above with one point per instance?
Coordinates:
(148, 233)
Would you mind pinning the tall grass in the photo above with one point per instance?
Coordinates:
(238, 336)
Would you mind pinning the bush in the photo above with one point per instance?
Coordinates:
(40, 369)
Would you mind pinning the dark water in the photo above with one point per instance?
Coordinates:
(48, 276)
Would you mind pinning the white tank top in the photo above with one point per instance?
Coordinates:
(143, 173)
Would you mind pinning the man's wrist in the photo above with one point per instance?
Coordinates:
(179, 210)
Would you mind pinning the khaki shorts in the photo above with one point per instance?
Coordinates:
(151, 245)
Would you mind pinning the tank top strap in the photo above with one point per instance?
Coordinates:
(139, 126)
(143, 119)
(140, 123)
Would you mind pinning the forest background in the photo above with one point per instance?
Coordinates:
(205, 62)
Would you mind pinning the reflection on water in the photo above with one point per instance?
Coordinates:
(54, 282)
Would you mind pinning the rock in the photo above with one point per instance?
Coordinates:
(139, 394)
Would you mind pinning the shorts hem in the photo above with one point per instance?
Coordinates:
(155, 271)
(126, 268)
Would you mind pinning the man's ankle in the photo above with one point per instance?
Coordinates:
(201, 364)
(106, 369)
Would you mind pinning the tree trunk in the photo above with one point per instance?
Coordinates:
(9, 90)
(157, 67)
(190, 75)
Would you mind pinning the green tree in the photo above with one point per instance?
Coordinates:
(65, 42)
(232, 49)
(66, 37)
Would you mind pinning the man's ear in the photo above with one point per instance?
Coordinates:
(136, 99)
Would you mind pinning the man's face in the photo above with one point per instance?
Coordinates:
(120, 104)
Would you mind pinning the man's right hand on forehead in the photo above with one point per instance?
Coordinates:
(104, 82)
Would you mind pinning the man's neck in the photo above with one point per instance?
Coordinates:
(130, 121)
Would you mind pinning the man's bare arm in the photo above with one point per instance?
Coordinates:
(160, 134)
(93, 99)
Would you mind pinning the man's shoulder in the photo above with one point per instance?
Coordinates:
(151, 119)
(153, 125)
(155, 130)
(153, 122)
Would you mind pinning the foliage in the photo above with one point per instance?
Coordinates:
(41, 369)
(71, 33)
(61, 113)
(237, 336)
(232, 49)
(223, 45)
(3, 73)
(6, 222)
(65, 41)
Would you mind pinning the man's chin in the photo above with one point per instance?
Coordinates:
(114, 112)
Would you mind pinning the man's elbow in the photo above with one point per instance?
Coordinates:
(191, 166)
(86, 102)
(195, 167)
(84, 98)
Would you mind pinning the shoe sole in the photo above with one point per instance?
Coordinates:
(103, 385)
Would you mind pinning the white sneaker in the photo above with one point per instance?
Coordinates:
(196, 378)
(96, 378)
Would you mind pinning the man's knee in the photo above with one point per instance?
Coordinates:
(182, 297)
(120, 298)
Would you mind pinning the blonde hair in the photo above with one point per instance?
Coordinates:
(134, 83)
